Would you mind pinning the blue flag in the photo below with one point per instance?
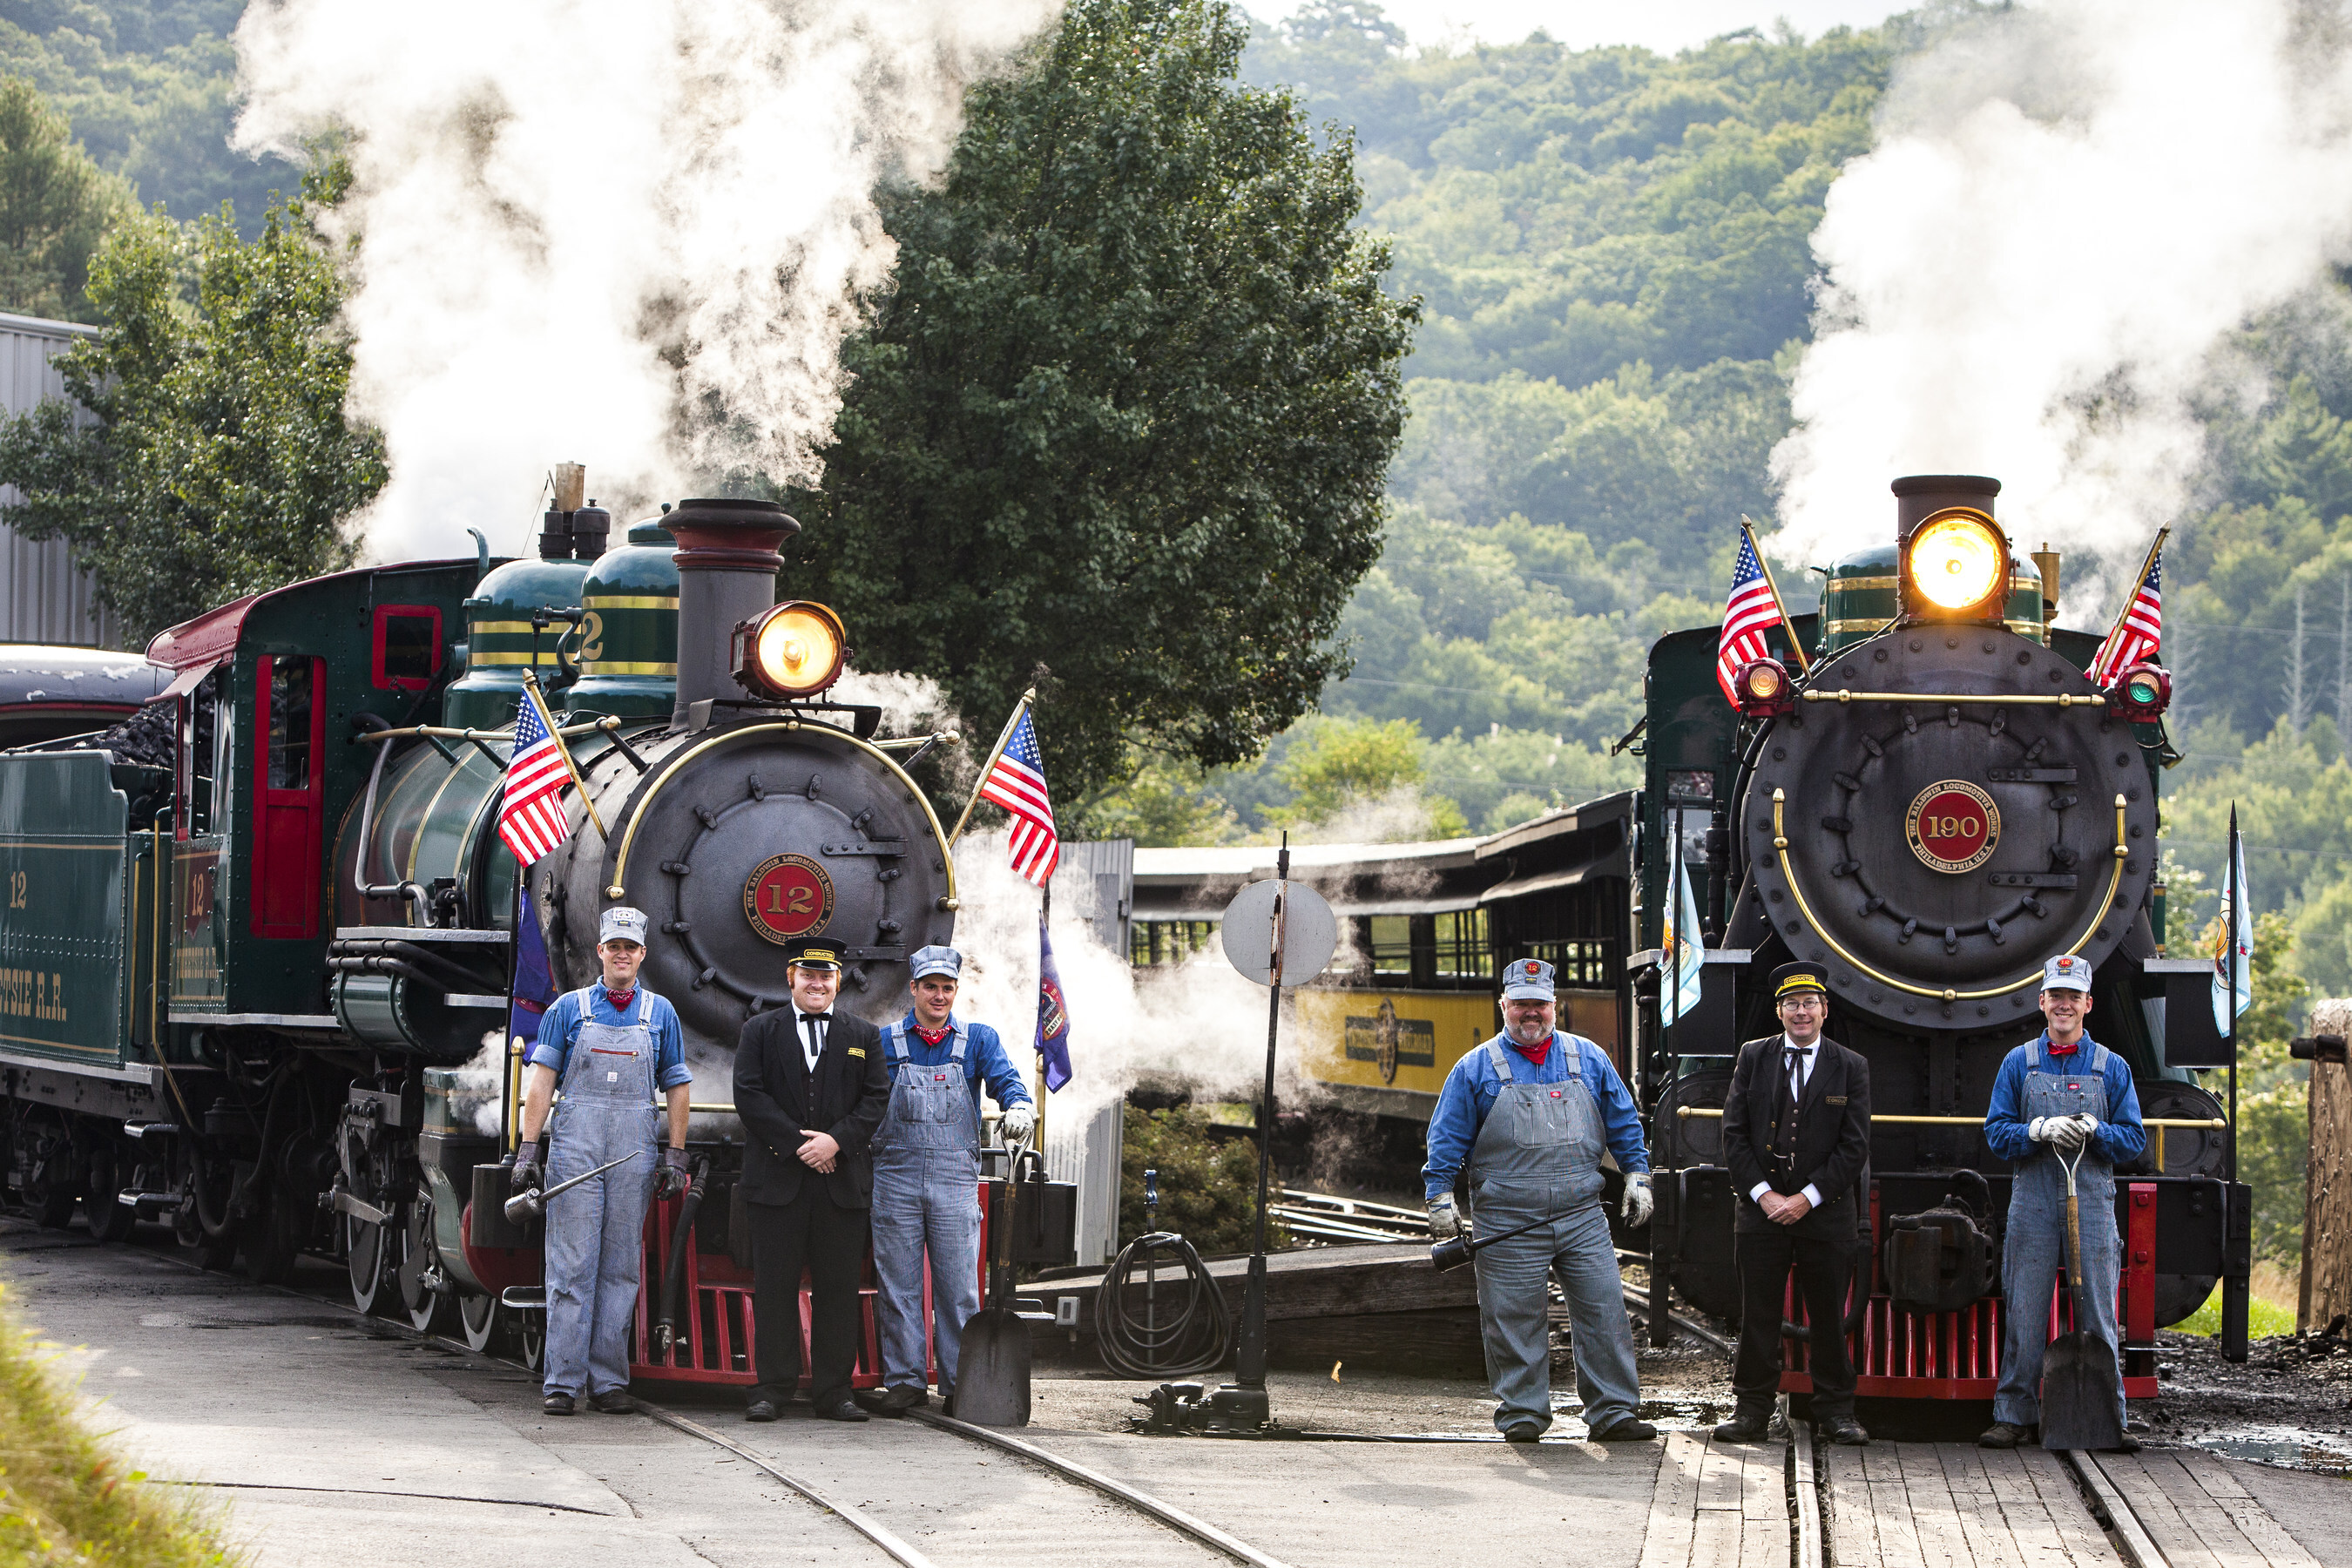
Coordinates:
(534, 983)
(1052, 1017)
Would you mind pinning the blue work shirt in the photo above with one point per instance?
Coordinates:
(561, 1027)
(985, 1060)
(2120, 1136)
(1471, 1087)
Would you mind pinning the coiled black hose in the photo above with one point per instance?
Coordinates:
(1185, 1336)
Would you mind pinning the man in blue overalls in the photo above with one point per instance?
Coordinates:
(2057, 1094)
(1530, 1111)
(610, 1045)
(927, 1175)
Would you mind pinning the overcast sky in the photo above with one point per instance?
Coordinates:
(1665, 24)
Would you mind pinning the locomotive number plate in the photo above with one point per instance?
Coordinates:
(1952, 825)
(788, 897)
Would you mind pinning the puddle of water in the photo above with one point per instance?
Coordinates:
(2285, 1448)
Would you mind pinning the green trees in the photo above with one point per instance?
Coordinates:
(55, 204)
(219, 462)
(1127, 407)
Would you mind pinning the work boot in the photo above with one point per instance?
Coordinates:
(1745, 1426)
(760, 1410)
(1626, 1430)
(1523, 1432)
(2129, 1445)
(1845, 1429)
(558, 1403)
(901, 1397)
(2001, 1434)
(612, 1401)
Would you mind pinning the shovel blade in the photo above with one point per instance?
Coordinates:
(2081, 1393)
(992, 1370)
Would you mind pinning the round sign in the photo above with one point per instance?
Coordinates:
(788, 897)
(1310, 931)
(1953, 825)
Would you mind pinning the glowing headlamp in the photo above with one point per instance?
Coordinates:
(793, 649)
(1955, 567)
(2142, 694)
(1762, 690)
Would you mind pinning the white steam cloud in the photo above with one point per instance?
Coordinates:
(2068, 208)
(632, 233)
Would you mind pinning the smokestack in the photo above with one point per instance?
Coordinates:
(591, 526)
(1918, 497)
(570, 482)
(726, 566)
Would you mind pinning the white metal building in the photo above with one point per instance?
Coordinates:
(43, 596)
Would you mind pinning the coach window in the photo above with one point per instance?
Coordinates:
(407, 653)
(1390, 943)
(1465, 954)
(1152, 942)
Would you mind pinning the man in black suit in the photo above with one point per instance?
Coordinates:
(1796, 1134)
(811, 1087)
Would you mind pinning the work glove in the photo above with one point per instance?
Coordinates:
(1019, 1121)
(672, 1179)
(1638, 1201)
(1445, 1224)
(2090, 1126)
(2064, 1134)
(530, 1171)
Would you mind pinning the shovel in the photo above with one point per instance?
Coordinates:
(992, 1387)
(2080, 1388)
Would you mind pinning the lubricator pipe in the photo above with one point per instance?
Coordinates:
(456, 978)
(674, 1275)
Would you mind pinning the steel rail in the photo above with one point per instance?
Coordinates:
(1806, 1483)
(864, 1524)
(2138, 1546)
(1166, 1513)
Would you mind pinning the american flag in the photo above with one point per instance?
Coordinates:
(1017, 782)
(1750, 613)
(2139, 632)
(531, 820)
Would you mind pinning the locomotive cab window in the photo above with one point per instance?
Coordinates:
(407, 646)
(204, 726)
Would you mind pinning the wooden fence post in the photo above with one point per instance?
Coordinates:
(2328, 1190)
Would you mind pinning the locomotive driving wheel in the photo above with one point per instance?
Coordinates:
(365, 1251)
(53, 1184)
(477, 1316)
(530, 1338)
(417, 1259)
(109, 1218)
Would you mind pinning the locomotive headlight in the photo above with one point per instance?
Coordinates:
(795, 649)
(2143, 694)
(1764, 689)
(1956, 562)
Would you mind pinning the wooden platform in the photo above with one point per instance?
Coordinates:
(2197, 1514)
(1718, 1505)
(1954, 1505)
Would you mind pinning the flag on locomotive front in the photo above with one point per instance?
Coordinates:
(531, 822)
(1752, 611)
(1685, 943)
(1017, 782)
(2138, 631)
(1053, 1017)
(2233, 949)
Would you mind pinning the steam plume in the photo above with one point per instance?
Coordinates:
(2068, 208)
(632, 232)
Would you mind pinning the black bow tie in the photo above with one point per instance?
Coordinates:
(816, 1017)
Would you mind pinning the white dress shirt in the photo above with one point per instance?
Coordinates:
(812, 1032)
(1796, 1091)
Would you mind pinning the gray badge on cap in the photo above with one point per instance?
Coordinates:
(622, 923)
(937, 960)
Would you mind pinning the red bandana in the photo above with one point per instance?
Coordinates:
(1535, 1054)
(933, 1036)
(620, 999)
(2058, 1050)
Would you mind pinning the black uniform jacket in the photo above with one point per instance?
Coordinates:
(1832, 1154)
(776, 1101)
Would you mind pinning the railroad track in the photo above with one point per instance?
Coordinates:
(927, 1495)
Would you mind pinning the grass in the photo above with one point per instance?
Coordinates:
(2270, 1312)
(66, 1499)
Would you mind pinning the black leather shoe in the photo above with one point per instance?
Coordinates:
(1745, 1426)
(612, 1401)
(840, 1410)
(900, 1398)
(557, 1404)
(2130, 1444)
(1845, 1429)
(1628, 1430)
(1523, 1432)
(2001, 1434)
(760, 1410)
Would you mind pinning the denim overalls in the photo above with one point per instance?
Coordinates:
(1538, 1156)
(595, 1232)
(926, 1199)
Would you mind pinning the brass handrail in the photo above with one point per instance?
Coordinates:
(1959, 699)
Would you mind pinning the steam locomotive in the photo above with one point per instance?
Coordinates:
(255, 966)
(1929, 796)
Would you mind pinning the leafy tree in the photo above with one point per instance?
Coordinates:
(55, 204)
(1127, 407)
(219, 462)
(1367, 771)
(1164, 804)
(1208, 1188)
